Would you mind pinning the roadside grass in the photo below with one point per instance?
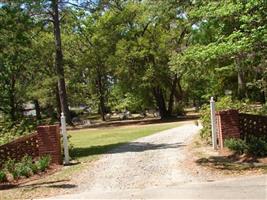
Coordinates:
(88, 146)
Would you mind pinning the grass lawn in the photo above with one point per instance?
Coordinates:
(88, 145)
(91, 142)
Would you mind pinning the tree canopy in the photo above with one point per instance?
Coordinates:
(129, 54)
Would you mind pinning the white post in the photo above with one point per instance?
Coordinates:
(213, 123)
(65, 138)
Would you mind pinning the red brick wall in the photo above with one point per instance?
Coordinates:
(27, 145)
(227, 125)
(49, 142)
(45, 142)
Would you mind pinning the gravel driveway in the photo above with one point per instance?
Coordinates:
(150, 168)
(149, 162)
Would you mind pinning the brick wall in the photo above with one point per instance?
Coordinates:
(46, 141)
(27, 145)
(49, 142)
(227, 125)
(231, 124)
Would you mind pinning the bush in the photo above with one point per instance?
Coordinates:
(256, 146)
(43, 162)
(10, 166)
(26, 167)
(3, 177)
(237, 145)
(23, 170)
(27, 161)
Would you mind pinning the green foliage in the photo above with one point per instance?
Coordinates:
(3, 177)
(22, 169)
(27, 161)
(10, 167)
(12, 130)
(15, 31)
(130, 54)
(263, 111)
(237, 145)
(256, 146)
(43, 162)
(26, 167)
(225, 36)
(179, 109)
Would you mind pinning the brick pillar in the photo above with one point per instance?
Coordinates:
(49, 142)
(227, 125)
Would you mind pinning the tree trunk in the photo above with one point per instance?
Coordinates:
(59, 63)
(58, 103)
(263, 97)
(241, 84)
(37, 109)
(171, 99)
(101, 96)
(157, 92)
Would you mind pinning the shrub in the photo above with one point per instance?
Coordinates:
(10, 165)
(257, 145)
(23, 170)
(25, 167)
(27, 161)
(3, 177)
(43, 162)
(237, 145)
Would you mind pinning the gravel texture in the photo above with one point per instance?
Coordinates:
(148, 162)
(152, 168)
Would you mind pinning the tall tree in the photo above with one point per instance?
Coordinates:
(15, 40)
(59, 62)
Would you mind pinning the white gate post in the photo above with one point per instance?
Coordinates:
(213, 123)
(65, 139)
